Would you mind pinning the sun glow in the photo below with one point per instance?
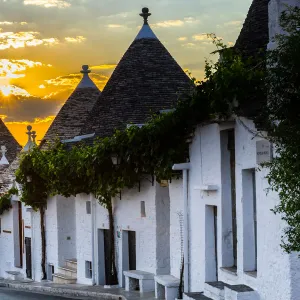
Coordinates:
(7, 90)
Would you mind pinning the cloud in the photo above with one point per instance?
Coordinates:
(48, 3)
(23, 39)
(20, 108)
(103, 67)
(77, 39)
(189, 45)
(34, 122)
(204, 37)
(169, 23)
(12, 23)
(183, 38)
(115, 26)
(7, 90)
(233, 23)
(14, 68)
(176, 23)
(70, 81)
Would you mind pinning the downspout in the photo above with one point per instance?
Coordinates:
(32, 246)
(184, 168)
(93, 239)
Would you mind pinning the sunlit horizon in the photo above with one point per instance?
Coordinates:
(43, 48)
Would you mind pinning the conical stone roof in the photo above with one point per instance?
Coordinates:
(7, 140)
(146, 80)
(73, 114)
(254, 36)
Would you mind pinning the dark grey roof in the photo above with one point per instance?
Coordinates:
(7, 139)
(146, 80)
(254, 36)
(73, 114)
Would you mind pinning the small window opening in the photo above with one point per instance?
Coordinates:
(88, 207)
(143, 209)
(88, 269)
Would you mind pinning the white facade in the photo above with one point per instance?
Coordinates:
(12, 240)
(275, 274)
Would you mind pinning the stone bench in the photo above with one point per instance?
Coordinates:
(166, 287)
(139, 280)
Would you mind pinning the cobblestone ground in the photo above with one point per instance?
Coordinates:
(9, 294)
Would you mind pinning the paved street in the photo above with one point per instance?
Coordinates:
(9, 294)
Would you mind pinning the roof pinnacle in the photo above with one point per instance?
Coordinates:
(85, 69)
(145, 14)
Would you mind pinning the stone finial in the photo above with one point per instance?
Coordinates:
(85, 69)
(3, 160)
(33, 135)
(145, 14)
(29, 143)
(29, 128)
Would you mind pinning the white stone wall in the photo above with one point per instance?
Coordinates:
(7, 249)
(176, 226)
(51, 229)
(66, 227)
(127, 213)
(83, 237)
(276, 7)
(277, 272)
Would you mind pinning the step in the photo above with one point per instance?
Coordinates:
(14, 275)
(215, 290)
(240, 292)
(195, 296)
(63, 279)
(67, 271)
(71, 263)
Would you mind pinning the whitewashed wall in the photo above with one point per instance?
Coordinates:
(66, 228)
(83, 237)
(7, 249)
(277, 272)
(176, 226)
(276, 7)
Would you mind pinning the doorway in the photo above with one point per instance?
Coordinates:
(128, 252)
(211, 243)
(28, 257)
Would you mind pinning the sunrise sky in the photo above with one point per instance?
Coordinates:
(43, 44)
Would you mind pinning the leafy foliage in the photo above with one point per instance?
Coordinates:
(151, 149)
(5, 199)
(283, 113)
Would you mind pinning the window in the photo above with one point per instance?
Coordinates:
(88, 207)
(143, 209)
(88, 269)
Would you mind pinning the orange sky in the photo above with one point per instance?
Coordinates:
(43, 44)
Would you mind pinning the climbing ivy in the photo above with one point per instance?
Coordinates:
(5, 199)
(283, 114)
(150, 150)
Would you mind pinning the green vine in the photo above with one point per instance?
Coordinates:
(5, 199)
(283, 114)
(149, 150)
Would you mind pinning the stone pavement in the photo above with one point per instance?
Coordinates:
(76, 290)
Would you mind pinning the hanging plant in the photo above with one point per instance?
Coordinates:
(5, 199)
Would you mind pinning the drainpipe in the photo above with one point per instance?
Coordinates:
(184, 168)
(32, 247)
(93, 239)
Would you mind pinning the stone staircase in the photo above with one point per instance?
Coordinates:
(66, 274)
(219, 290)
